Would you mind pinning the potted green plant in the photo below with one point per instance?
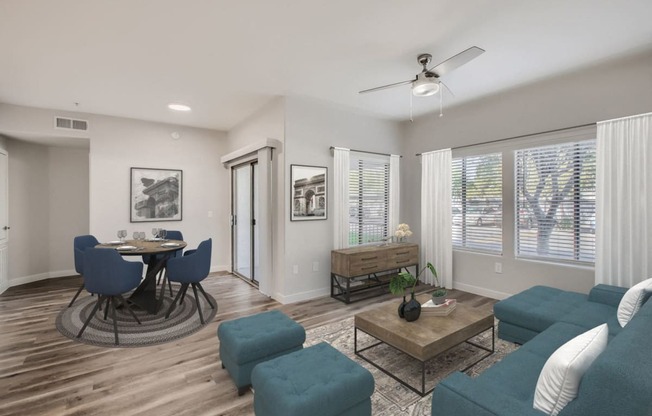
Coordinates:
(410, 310)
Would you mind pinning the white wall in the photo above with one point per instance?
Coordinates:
(48, 206)
(68, 211)
(608, 91)
(311, 128)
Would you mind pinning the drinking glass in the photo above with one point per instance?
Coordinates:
(155, 232)
(122, 234)
(136, 235)
(142, 235)
(162, 233)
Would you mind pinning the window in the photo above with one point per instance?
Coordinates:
(478, 202)
(555, 202)
(368, 198)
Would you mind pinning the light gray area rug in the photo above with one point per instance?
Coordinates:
(154, 329)
(390, 397)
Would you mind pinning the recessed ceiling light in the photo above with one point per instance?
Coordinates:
(178, 107)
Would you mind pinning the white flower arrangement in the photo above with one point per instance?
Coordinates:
(402, 231)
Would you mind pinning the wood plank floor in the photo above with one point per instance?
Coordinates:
(45, 373)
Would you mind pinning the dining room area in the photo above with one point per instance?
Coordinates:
(135, 292)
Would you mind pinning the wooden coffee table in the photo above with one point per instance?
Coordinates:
(425, 338)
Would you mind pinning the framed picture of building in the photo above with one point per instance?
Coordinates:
(309, 196)
(156, 195)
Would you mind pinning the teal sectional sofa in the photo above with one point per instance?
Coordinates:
(619, 382)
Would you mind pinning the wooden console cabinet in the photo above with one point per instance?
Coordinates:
(363, 270)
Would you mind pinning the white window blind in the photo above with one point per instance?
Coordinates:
(555, 202)
(368, 198)
(478, 202)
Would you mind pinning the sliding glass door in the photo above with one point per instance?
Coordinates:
(243, 220)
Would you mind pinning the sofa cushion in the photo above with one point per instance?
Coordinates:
(619, 381)
(527, 362)
(591, 314)
(632, 301)
(538, 307)
(560, 377)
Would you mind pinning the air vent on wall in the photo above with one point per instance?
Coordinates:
(70, 124)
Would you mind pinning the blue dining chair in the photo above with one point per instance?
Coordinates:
(80, 244)
(108, 275)
(170, 235)
(190, 270)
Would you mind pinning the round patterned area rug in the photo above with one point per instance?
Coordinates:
(154, 329)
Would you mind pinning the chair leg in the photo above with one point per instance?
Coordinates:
(169, 283)
(158, 279)
(76, 294)
(201, 316)
(171, 308)
(131, 311)
(106, 309)
(115, 321)
(97, 305)
(183, 296)
(201, 289)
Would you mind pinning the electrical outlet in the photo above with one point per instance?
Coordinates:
(498, 267)
(295, 269)
(315, 266)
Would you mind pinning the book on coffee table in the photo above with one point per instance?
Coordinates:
(443, 309)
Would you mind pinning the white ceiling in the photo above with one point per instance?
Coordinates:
(228, 58)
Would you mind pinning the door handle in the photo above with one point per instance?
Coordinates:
(6, 227)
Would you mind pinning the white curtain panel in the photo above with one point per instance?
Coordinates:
(624, 201)
(341, 168)
(394, 193)
(436, 216)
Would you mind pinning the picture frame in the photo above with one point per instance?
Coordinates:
(309, 193)
(156, 195)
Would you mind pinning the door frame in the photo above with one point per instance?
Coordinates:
(252, 246)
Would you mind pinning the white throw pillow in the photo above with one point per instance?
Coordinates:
(633, 300)
(560, 377)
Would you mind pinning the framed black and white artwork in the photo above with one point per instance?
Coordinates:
(309, 196)
(156, 194)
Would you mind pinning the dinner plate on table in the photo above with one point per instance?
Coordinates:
(168, 245)
(114, 243)
(153, 240)
(126, 248)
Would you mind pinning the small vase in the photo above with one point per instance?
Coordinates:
(401, 307)
(412, 309)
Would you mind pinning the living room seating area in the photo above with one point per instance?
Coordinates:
(544, 319)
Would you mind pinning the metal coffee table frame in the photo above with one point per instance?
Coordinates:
(423, 391)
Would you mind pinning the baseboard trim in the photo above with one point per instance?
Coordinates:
(477, 290)
(220, 268)
(299, 297)
(40, 276)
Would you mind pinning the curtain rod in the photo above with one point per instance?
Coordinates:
(520, 137)
(371, 153)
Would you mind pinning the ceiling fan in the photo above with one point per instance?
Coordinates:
(427, 81)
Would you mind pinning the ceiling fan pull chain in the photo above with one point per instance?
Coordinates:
(441, 102)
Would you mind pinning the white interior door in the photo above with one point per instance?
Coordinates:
(4, 219)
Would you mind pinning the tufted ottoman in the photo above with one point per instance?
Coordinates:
(248, 341)
(316, 381)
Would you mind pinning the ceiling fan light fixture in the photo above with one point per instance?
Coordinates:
(424, 86)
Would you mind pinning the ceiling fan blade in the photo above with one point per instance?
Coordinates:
(386, 86)
(457, 61)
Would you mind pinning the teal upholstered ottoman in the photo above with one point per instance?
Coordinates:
(248, 341)
(316, 381)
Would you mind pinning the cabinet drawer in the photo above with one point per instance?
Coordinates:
(403, 256)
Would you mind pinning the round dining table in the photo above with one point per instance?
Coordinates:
(159, 251)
